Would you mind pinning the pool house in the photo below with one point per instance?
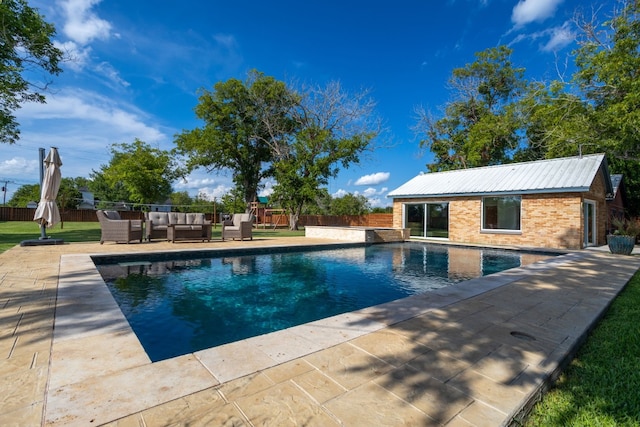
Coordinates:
(557, 203)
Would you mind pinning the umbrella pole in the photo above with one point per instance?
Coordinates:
(43, 231)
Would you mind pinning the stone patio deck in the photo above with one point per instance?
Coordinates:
(470, 355)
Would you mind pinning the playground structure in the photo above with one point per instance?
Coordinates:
(267, 216)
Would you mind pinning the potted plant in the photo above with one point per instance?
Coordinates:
(624, 236)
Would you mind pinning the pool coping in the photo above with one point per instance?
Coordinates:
(99, 370)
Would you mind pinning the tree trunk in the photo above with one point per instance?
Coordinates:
(293, 220)
(294, 217)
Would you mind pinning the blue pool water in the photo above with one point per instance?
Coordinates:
(178, 306)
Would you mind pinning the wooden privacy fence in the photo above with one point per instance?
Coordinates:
(71, 215)
(85, 215)
(369, 220)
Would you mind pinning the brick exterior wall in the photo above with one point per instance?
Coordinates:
(551, 220)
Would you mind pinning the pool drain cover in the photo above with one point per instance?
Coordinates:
(522, 336)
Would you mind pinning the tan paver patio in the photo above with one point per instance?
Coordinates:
(473, 354)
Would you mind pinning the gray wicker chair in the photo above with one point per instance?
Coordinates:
(118, 230)
(238, 227)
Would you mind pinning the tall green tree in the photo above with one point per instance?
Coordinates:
(608, 61)
(332, 129)
(146, 173)
(480, 125)
(26, 46)
(235, 136)
(556, 122)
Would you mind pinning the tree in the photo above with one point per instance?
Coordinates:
(377, 210)
(321, 205)
(350, 204)
(497, 116)
(146, 173)
(67, 198)
(202, 203)
(25, 194)
(332, 128)
(104, 193)
(555, 122)
(480, 125)
(608, 61)
(26, 46)
(68, 194)
(233, 201)
(235, 133)
(181, 201)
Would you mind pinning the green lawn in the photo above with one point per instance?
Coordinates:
(601, 386)
(13, 232)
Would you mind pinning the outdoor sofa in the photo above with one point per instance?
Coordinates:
(117, 229)
(177, 226)
(240, 226)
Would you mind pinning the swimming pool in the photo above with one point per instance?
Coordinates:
(181, 305)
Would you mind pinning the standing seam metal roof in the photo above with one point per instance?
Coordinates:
(568, 174)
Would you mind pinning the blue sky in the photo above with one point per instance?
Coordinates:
(137, 66)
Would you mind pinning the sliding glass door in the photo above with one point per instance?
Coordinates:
(427, 219)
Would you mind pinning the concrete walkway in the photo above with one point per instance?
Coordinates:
(474, 354)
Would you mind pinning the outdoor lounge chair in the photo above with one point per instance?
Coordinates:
(117, 229)
(238, 227)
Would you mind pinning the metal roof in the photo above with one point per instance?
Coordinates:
(561, 175)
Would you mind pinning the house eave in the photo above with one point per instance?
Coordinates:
(492, 193)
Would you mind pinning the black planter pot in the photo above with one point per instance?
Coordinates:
(619, 244)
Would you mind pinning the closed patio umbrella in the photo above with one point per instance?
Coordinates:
(47, 213)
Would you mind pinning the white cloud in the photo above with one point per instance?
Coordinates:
(17, 166)
(553, 39)
(82, 124)
(267, 189)
(373, 179)
(97, 111)
(377, 202)
(560, 38)
(82, 25)
(112, 74)
(370, 192)
(217, 192)
(527, 11)
(192, 182)
(200, 182)
(339, 193)
(76, 57)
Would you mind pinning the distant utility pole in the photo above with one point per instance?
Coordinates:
(4, 190)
